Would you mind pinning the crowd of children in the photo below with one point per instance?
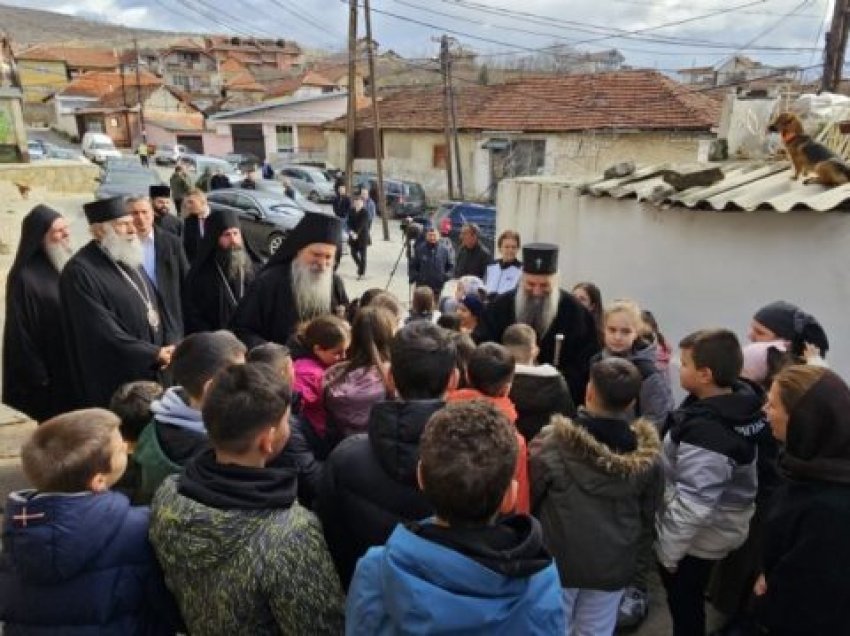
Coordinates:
(385, 475)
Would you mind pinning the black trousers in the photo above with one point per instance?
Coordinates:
(686, 594)
(358, 255)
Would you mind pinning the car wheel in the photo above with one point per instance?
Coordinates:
(275, 241)
(313, 196)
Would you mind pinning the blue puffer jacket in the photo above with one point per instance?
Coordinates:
(433, 580)
(80, 564)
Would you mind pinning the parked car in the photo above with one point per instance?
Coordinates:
(243, 162)
(98, 147)
(36, 149)
(266, 218)
(404, 198)
(121, 179)
(199, 163)
(310, 181)
(450, 217)
(167, 154)
(69, 154)
(331, 172)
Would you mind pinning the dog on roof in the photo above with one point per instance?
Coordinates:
(807, 155)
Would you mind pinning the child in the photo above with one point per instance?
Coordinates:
(709, 461)
(239, 552)
(588, 294)
(76, 555)
(538, 391)
(463, 572)
(464, 348)
(622, 326)
(470, 308)
(324, 341)
(369, 483)
(353, 386)
(449, 322)
(596, 484)
(177, 431)
(491, 371)
(132, 404)
(651, 333)
(423, 306)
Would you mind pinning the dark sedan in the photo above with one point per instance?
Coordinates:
(266, 219)
(123, 179)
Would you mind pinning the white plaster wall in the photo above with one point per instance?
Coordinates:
(692, 268)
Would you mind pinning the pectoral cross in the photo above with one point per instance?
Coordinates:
(24, 517)
(539, 263)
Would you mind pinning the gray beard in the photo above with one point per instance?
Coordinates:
(58, 254)
(129, 252)
(538, 313)
(234, 263)
(311, 291)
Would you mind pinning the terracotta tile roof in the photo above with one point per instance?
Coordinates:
(244, 81)
(100, 83)
(116, 97)
(231, 65)
(633, 100)
(284, 87)
(74, 57)
(312, 78)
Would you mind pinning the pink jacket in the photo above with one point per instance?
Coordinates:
(309, 376)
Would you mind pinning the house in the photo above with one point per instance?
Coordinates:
(189, 67)
(536, 125)
(738, 70)
(309, 84)
(256, 52)
(284, 128)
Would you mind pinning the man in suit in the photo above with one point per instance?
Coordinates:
(164, 261)
(197, 212)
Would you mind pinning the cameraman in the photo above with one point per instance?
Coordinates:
(431, 262)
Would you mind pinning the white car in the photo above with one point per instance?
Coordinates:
(98, 147)
(167, 154)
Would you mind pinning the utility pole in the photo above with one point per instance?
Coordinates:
(126, 113)
(444, 63)
(376, 116)
(139, 91)
(836, 44)
(351, 123)
(453, 114)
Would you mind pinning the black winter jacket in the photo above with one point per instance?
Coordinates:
(369, 483)
(472, 262)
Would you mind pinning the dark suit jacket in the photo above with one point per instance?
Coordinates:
(171, 270)
(191, 237)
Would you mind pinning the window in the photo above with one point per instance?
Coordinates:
(285, 138)
(528, 157)
(439, 157)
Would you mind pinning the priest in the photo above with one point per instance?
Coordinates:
(161, 201)
(36, 372)
(219, 277)
(566, 332)
(112, 313)
(297, 284)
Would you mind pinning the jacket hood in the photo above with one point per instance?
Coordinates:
(512, 547)
(741, 410)
(173, 408)
(818, 439)
(394, 432)
(578, 447)
(71, 531)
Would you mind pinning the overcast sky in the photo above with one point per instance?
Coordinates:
(783, 25)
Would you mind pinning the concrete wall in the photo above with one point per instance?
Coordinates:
(53, 175)
(692, 268)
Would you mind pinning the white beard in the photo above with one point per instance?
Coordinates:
(538, 313)
(58, 254)
(311, 291)
(126, 250)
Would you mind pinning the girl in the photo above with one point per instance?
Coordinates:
(423, 305)
(353, 386)
(782, 320)
(469, 310)
(651, 333)
(622, 326)
(324, 341)
(589, 295)
(504, 274)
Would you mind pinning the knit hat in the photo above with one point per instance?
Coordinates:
(105, 210)
(789, 322)
(756, 365)
(473, 303)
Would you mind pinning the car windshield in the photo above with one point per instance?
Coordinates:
(416, 190)
(102, 145)
(316, 175)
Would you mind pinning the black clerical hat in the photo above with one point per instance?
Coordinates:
(159, 191)
(315, 227)
(105, 210)
(540, 258)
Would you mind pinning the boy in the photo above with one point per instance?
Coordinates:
(709, 460)
(369, 482)
(239, 552)
(538, 391)
(595, 486)
(490, 373)
(76, 556)
(462, 572)
(177, 431)
(132, 404)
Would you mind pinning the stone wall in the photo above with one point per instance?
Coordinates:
(51, 175)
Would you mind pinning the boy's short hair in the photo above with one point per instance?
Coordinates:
(468, 452)
(66, 451)
(520, 339)
(200, 356)
(617, 383)
(270, 353)
(243, 400)
(423, 301)
(717, 350)
(131, 402)
(422, 358)
(491, 367)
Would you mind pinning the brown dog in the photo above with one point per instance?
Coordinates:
(807, 155)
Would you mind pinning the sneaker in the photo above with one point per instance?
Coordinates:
(634, 607)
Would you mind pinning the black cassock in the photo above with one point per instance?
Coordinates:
(267, 312)
(109, 338)
(581, 341)
(36, 372)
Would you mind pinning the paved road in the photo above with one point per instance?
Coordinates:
(47, 135)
